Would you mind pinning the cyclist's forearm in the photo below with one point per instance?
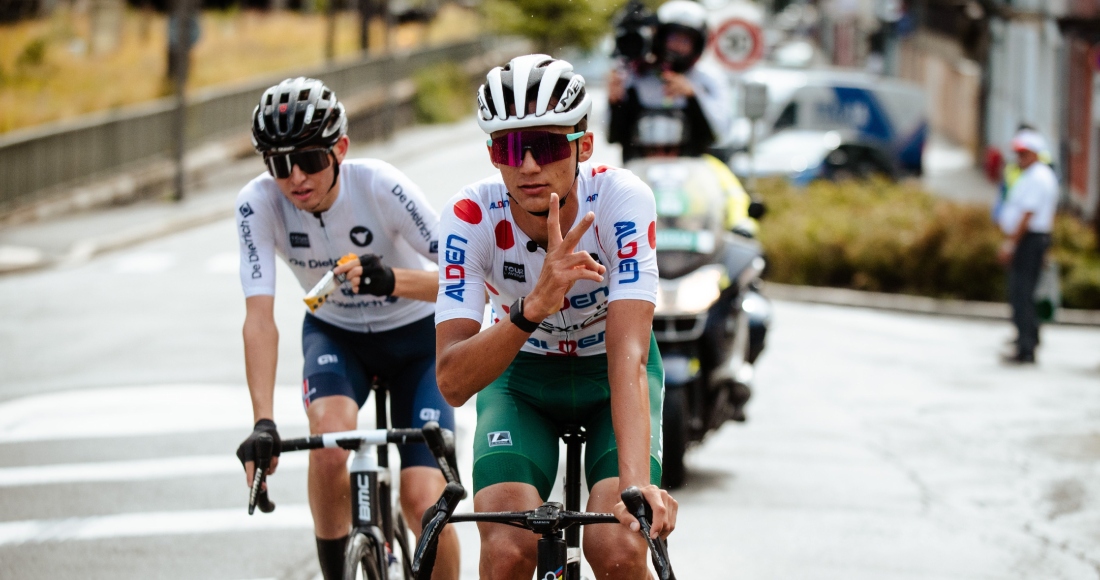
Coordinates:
(628, 330)
(261, 351)
(468, 360)
(415, 284)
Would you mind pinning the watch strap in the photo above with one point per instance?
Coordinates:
(515, 314)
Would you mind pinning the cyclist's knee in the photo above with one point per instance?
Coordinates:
(507, 552)
(615, 552)
(330, 414)
(332, 462)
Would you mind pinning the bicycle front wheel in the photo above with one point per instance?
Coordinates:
(364, 558)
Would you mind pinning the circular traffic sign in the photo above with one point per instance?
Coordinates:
(738, 43)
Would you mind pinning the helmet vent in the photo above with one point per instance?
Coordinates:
(303, 95)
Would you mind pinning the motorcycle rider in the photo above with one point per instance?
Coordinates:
(666, 103)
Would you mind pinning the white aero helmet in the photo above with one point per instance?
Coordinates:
(519, 95)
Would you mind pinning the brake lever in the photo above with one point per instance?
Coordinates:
(257, 495)
(658, 549)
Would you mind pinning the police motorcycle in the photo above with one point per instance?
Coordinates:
(710, 320)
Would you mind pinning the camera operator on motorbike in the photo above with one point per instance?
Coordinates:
(663, 102)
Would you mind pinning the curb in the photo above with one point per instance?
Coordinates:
(998, 311)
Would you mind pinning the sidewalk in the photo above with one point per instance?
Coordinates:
(950, 172)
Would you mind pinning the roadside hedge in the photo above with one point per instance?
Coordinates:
(887, 237)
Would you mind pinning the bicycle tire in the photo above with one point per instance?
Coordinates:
(362, 553)
(401, 534)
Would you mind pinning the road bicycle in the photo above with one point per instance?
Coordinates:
(559, 548)
(375, 529)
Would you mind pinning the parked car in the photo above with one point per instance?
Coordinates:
(803, 156)
(873, 124)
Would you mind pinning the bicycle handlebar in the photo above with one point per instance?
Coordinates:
(658, 549)
(541, 520)
(440, 441)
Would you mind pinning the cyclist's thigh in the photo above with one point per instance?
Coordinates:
(415, 400)
(514, 441)
(601, 458)
(328, 367)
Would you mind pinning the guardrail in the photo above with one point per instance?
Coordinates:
(36, 162)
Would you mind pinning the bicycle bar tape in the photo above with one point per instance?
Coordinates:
(257, 495)
(658, 550)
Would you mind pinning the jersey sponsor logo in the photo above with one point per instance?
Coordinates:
(589, 299)
(592, 197)
(250, 247)
(311, 263)
(500, 438)
(505, 238)
(299, 240)
(327, 359)
(455, 256)
(414, 212)
(515, 272)
(429, 414)
(361, 236)
(628, 265)
(500, 204)
(468, 211)
(245, 209)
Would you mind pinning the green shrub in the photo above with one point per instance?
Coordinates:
(898, 238)
(444, 94)
(33, 54)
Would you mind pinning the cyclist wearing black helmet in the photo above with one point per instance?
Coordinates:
(665, 103)
(310, 208)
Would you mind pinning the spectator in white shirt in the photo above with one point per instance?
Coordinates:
(1026, 219)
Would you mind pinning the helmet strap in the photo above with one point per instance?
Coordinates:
(335, 170)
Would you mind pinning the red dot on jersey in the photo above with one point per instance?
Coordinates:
(505, 238)
(653, 235)
(600, 169)
(506, 309)
(491, 289)
(468, 211)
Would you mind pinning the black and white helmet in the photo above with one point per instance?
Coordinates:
(530, 91)
(295, 114)
(683, 16)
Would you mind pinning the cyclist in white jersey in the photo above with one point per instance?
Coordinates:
(311, 208)
(566, 253)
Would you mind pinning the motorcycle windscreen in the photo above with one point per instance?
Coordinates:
(691, 206)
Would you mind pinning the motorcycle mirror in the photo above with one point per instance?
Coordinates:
(757, 209)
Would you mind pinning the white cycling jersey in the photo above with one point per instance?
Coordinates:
(484, 252)
(378, 211)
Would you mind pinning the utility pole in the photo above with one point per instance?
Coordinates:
(330, 32)
(181, 36)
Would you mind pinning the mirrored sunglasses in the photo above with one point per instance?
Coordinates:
(309, 161)
(545, 147)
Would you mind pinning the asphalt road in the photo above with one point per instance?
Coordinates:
(879, 445)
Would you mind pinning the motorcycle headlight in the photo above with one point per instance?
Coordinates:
(690, 294)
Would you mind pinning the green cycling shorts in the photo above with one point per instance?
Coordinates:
(520, 416)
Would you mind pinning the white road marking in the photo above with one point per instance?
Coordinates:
(142, 410)
(154, 524)
(137, 470)
(224, 263)
(144, 262)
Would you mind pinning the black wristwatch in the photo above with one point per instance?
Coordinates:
(515, 314)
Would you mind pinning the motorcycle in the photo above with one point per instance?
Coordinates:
(710, 320)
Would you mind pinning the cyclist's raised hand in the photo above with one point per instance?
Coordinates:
(563, 266)
(246, 452)
(663, 507)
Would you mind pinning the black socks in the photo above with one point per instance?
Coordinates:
(331, 555)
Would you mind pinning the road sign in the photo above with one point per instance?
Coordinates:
(738, 43)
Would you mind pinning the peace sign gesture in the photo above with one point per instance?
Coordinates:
(563, 265)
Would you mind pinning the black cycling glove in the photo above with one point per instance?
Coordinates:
(377, 278)
(247, 450)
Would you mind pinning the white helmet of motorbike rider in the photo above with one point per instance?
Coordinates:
(677, 106)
